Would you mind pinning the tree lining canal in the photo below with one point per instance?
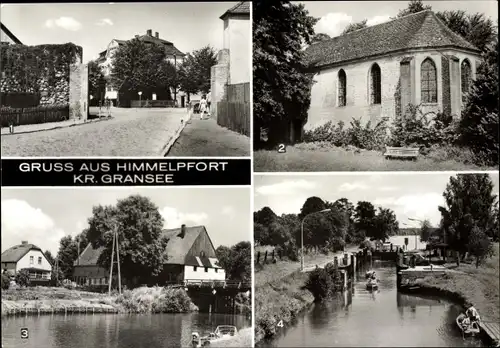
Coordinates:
(384, 317)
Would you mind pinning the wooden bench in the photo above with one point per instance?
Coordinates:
(492, 330)
(401, 152)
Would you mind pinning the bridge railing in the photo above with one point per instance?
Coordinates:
(231, 284)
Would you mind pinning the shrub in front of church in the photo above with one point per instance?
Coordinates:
(155, 300)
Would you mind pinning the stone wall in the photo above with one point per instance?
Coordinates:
(67, 87)
(219, 78)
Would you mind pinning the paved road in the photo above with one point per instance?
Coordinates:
(206, 138)
(131, 132)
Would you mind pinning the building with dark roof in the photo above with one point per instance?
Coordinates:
(105, 59)
(7, 36)
(190, 256)
(28, 257)
(376, 72)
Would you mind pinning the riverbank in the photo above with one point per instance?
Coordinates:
(278, 303)
(467, 283)
(42, 300)
(242, 339)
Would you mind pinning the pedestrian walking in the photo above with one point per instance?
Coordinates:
(203, 106)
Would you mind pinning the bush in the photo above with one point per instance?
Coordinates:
(324, 282)
(35, 115)
(23, 278)
(5, 281)
(364, 137)
(156, 300)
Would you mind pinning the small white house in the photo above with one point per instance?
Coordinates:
(27, 256)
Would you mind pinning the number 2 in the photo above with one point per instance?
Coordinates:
(281, 148)
(280, 323)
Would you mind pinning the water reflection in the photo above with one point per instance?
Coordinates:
(382, 317)
(113, 331)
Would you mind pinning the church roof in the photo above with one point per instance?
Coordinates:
(241, 8)
(419, 30)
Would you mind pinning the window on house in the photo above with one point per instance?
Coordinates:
(39, 260)
(202, 254)
(428, 81)
(342, 88)
(32, 260)
(465, 76)
(375, 85)
(195, 268)
(206, 269)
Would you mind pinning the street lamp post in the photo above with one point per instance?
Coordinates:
(140, 102)
(302, 236)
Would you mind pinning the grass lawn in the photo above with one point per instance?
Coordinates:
(323, 157)
(480, 285)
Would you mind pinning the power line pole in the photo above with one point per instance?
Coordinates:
(118, 260)
(111, 267)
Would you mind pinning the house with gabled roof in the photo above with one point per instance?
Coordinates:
(27, 256)
(105, 59)
(190, 257)
(376, 72)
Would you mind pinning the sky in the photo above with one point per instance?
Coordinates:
(43, 216)
(336, 15)
(415, 196)
(189, 26)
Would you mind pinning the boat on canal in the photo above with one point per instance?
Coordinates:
(221, 333)
(468, 329)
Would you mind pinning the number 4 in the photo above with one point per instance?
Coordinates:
(280, 323)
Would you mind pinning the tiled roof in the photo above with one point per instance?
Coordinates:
(242, 8)
(169, 47)
(418, 30)
(176, 250)
(17, 252)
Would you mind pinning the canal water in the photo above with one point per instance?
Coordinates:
(383, 318)
(111, 330)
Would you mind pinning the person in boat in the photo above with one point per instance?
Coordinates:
(466, 323)
(472, 313)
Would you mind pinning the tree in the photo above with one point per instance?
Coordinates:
(414, 6)
(479, 245)
(236, 261)
(475, 28)
(320, 37)
(365, 218)
(355, 26)
(67, 255)
(139, 226)
(311, 205)
(479, 124)
(469, 204)
(49, 257)
(97, 82)
(265, 216)
(280, 83)
(194, 72)
(140, 66)
(385, 224)
(425, 230)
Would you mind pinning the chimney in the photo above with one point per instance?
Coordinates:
(183, 231)
(157, 35)
(149, 32)
(24, 242)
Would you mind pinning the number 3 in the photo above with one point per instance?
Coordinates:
(24, 333)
